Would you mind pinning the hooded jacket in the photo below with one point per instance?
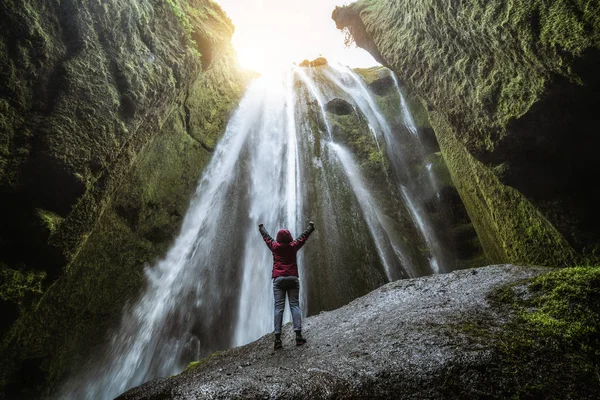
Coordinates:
(284, 250)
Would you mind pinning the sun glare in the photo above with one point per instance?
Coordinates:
(264, 56)
(273, 34)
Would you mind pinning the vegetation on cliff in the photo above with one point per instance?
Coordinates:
(109, 114)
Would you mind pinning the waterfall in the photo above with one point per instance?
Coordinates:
(278, 163)
(273, 201)
(371, 213)
(409, 122)
(194, 296)
(414, 189)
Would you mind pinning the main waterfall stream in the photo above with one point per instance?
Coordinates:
(283, 160)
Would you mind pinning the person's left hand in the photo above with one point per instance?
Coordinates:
(260, 226)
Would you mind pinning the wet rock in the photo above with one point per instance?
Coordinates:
(382, 85)
(317, 62)
(403, 340)
(339, 106)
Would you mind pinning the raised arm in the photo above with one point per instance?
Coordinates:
(301, 240)
(266, 237)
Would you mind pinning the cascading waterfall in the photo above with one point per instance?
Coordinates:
(413, 188)
(371, 213)
(194, 293)
(273, 201)
(278, 163)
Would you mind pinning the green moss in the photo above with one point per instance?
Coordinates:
(216, 93)
(510, 228)
(566, 306)
(16, 286)
(201, 363)
(179, 12)
(371, 74)
(552, 347)
(354, 132)
(481, 54)
(49, 220)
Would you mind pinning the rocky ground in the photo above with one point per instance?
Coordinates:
(418, 338)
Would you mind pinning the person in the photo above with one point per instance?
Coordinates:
(285, 277)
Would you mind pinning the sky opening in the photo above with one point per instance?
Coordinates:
(271, 34)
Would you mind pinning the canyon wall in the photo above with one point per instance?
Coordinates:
(510, 92)
(109, 112)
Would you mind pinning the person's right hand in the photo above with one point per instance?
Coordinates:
(260, 226)
(312, 224)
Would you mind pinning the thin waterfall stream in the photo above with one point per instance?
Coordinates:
(282, 161)
(412, 187)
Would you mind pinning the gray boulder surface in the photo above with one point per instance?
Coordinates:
(404, 340)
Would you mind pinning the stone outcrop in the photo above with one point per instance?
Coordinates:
(108, 113)
(382, 85)
(509, 88)
(339, 106)
(437, 337)
(317, 62)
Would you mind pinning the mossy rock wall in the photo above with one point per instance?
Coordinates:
(455, 229)
(510, 88)
(110, 111)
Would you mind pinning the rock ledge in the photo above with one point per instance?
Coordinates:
(403, 340)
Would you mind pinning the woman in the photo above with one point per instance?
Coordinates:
(285, 277)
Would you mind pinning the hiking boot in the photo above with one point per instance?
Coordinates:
(278, 345)
(300, 340)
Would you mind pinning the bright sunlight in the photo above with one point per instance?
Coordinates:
(271, 34)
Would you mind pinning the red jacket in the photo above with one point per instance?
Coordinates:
(284, 250)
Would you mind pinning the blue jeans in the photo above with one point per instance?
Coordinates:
(291, 286)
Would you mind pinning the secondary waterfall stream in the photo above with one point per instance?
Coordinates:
(282, 161)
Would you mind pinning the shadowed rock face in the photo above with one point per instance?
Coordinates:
(382, 85)
(339, 107)
(404, 340)
(108, 113)
(509, 89)
(346, 17)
